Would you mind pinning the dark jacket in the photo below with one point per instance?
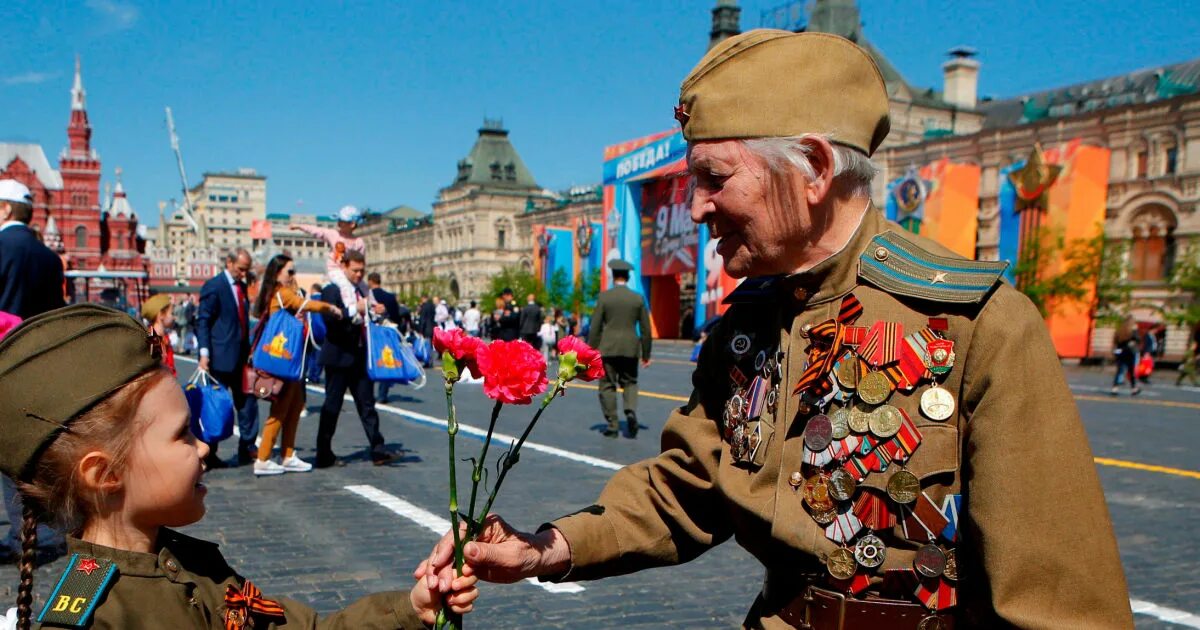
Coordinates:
(615, 324)
(31, 276)
(507, 328)
(344, 344)
(218, 326)
(426, 312)
(388, 300)
(531, 319)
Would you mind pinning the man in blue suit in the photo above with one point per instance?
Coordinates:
(223, 333)
(31, 282)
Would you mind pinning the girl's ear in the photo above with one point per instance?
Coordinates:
(97, 474)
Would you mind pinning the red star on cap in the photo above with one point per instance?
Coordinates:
(87, 565)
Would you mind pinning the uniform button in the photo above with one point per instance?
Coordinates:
(881, 254)
(800, 294)
(805, 329)
(796, 479)
(172, 565)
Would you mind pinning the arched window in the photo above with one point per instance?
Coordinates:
(81, 237)
(1153, 249)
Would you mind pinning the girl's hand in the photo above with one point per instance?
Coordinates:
(427, 602)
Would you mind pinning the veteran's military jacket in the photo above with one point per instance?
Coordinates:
(1005, 485)
(188, 584)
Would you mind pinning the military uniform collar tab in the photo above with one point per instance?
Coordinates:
(901, 266)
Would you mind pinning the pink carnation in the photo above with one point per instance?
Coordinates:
(590, 367)
(463, 347)
(513, 371)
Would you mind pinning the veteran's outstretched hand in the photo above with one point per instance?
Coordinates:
(499, 554)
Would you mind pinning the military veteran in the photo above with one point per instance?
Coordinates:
(883, 424)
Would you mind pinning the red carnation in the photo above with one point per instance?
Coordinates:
(464, 348)
(513, 371)
(589, 365)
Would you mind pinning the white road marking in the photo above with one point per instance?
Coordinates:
(437, 525)
(1169, 615)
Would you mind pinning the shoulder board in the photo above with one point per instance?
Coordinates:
(899, 266)
(79, 590)
(754, 290)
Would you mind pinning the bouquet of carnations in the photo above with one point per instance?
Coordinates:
(513, 372)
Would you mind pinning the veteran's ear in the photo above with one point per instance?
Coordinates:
(820, 155)
(97, 474)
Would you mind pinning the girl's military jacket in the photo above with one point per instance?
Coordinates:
(188, 585)
(1010, 467)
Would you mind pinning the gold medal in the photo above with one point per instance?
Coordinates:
(951, 570)
(874, 388)
(816, 494)
(796, 479)
(870, 551)
(825, 517)
(859, 420)
(842, 485)
(930, 561)
(937, 403)
(903, 487)
(839, 423)
(841, 564)
(885, 421)
(847, 372)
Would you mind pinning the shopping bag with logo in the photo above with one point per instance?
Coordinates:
(279, 350)
(386, 354)
(211, 404)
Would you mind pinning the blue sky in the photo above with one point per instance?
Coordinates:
(372, 103)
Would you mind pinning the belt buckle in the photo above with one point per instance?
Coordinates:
(841, 598)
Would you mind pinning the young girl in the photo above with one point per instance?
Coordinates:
(160, 317)
(114, 463)
(340, 241)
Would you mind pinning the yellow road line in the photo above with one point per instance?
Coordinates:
(1138, 401)
(641, 392)
(1120, 463)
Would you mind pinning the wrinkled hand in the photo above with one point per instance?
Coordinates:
(427, 600)
(500, 554)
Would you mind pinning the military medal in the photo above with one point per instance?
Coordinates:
(937, 403)
(839, 422)
(930, 561)
(939, 356)
(816, 494)
(870, 551)
(847, 371)
(845, 527)
(874, 388)
(950, 572)
(818, 433)
(841, 485)
(740, 344)
(903, 487)
(760, 360)
(885, 421)
(825, 517)
(772, 399)
(841, 564)
(859, 420)
(737, 445)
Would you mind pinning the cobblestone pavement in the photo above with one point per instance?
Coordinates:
(307, 536)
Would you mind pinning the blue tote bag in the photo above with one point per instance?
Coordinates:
(279, 350)
(316, 328)
(389, 359)
(211, 404)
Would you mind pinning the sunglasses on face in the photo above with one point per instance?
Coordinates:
(291, 272)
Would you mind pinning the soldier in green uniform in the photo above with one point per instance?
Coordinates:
(621, 332)
(108, 454)
(883, 424)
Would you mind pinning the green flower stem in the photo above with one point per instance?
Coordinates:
(477, 473)
(445, 618)
(511, 459)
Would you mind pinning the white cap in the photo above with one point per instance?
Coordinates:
(13, 190)
(349, 214)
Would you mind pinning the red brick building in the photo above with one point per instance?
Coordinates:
(68, 211)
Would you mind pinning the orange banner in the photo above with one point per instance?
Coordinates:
(1075, 209)
(952, 205)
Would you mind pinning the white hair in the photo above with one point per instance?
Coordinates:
(852, 170)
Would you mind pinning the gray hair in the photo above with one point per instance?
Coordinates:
(233, 255)
(852, 170)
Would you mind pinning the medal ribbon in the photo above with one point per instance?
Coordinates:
(826, 347)
(248, 601)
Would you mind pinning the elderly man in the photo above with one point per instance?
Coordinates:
(884, 425)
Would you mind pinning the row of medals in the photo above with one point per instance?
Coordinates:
(824, 491)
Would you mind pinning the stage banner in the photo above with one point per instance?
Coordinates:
(1075, 209)
(939, 202)
(1009, 243)
(668, 235)
(712, 283)
(560, 254)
